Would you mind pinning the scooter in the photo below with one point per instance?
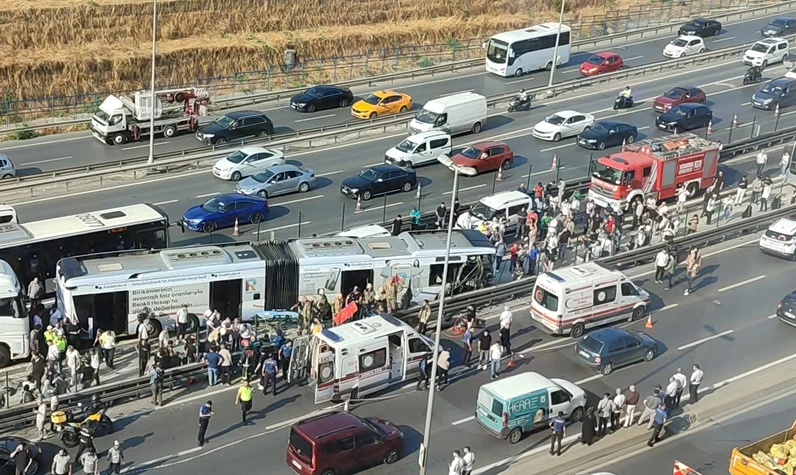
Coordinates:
(27, 395)
(623, 102)
(518, 103)
(752, 77)
(68, 424)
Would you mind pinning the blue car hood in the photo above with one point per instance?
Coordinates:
(195, 212)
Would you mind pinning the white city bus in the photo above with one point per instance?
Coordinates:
(14, 321)
(517, 52)
(242, 279)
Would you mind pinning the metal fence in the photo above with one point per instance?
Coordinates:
(370, 63)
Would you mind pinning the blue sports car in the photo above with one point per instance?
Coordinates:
(221, 212)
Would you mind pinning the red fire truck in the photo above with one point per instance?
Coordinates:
(654, 167)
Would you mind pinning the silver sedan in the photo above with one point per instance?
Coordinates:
(278, 180)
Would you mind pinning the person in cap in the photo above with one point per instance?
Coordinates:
(115, 458)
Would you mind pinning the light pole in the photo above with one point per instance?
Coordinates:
(435, 354)
(558, 40)
(151, 159)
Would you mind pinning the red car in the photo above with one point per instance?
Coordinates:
(481, 157)
(679, 95)
(602, 63)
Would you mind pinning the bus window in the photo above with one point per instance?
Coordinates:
(435, 273)
(11, 307)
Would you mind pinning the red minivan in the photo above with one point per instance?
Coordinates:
(337, 443)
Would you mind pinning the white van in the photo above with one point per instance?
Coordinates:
(571, 299)
(454, 114)
(357, 358)
(419, 149)
(767, 51)
(505, 204)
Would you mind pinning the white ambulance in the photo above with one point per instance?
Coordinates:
(571, 299)
(357, 358)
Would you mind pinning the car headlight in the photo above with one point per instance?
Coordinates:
(301, 104)
(354, 190)
(671, 123)
(209, 136)
(591, 141)
(766, 101)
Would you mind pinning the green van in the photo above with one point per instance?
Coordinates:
(511, 407)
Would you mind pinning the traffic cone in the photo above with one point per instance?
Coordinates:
(776, 109)
(710, 127)
(511, 361)
(649, 321)
(500, 174)
(359, 203)
(681, 469)
(735, 121)
(555, 162)
(235, 230)
(417, 195)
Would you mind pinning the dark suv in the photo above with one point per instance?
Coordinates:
(235, 126)
(340, 442)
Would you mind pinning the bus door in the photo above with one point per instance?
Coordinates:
(324, 389)
(226, 296)
(298, 369)
(407, 286)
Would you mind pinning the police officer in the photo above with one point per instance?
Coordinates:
(244, 398)
(86, 438)
(269, 373)
(284, 358)
(205, 413)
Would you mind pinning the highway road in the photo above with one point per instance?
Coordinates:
(720, 326)
(79, 149)
(321, 210)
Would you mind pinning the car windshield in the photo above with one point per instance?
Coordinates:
(263, 176)
(555, 119)
(426, 116)
(675, 93)
(496, 52)
(599, 127)
(697, 22)
(760, 48)
(372, 99)
(369, 174)
(237, 157)
(678, 42)
(407, 145)
(11, 307)
(313, 92)
(213, 205)
(595, 60)
(482, 211)
(773, 89)
(471, 152)
(679, 111)
(546, 299)
(778, 22)
(374, 427)
(224, 121)
(590, 344)
(606, 173)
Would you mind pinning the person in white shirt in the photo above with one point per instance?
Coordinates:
(784, 162)
(143, 330)
(74, 364)
(37, 320)
(765, 195)
(469, 460)
(661, 259)
(682, 382)
(457, 464)
(670, 394)
(762, 159)
(495, 355)
(682, 197)
(617, 409)
(506, 318)
(693, 384)
(163, 337)
(182, 322)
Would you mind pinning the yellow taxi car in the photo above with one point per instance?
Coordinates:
(381, 103)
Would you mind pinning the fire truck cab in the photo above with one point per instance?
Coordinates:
(654, 167)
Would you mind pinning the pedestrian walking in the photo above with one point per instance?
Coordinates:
(457, 464)
(144, 351)
(468, 346)
(604, 410)
(423, 316)
(90, 462)
(670, 395)
(682, 382)
(443, 365)
(766, 194)
(484, 343)
(761, 160)
(669, 269)
(495, 353)
(693, 385)
(269, 374)
(588, 427)
(692, 264)
(62, 463)
(85, 441)
(659, 420)
(631, 401)
(205, 413)
(156, 384)
(661, 259)
(559, 427)
(425, 372)
(212, 360)
(783, 163)
(244, 399)
(115, 458)
(506, 319)
(618, 408)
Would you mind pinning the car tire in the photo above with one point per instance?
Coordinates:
(518, 72)
(682, 55)
(328, 472)
(304, 187)
(403, 109)
(406, 164)
(366, 195)
(5, 356)
(311, 108)
(391, 457)
(407, 187)
(262, 194)
(476, 128)
(557, 137)
(576, 415)
(701, 50)
(220, 141)
(650, 354)
(601, 146)
(637, 314)
(344, 103)
(607, 369)
(70, 439)
(119, 139)
(631, 138)
(209, 227)
(236, 176)
(170, 131)
(577, 330)
(7, 175)
(261, 133)
(505, 165)
(515, 435)
(372, 116)
(765, 63)
(255, 218)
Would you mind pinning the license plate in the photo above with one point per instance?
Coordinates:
(296, 464)
(790, 315)
(584, 354)
(661, 126)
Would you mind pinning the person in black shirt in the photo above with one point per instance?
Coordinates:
(484, 342)
(456, 207)
(397, 225)
(22, 459)
(440, 213)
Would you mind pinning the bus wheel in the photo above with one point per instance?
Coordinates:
(157, 326)
(193, 324)
(5, 356)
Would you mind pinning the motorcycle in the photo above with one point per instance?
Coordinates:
(752, 77)
(27, 395)
(68, 424)
(518, 103)
(622, 102)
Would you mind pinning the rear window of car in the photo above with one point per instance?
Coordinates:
(489, 402)
(590, 344)
(301, 446)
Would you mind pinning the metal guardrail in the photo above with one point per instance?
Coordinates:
(454, 66)
(323, 136)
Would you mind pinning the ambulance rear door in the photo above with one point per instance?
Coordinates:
(326, 381)
(298, 370)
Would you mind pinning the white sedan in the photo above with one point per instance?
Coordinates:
(684, 46)
(246, 162)
(562, 124)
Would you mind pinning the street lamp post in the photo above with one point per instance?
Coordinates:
(430, 406)
(151, 159)
(558, 40)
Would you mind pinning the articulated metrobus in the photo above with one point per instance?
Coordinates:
(243, 279)
(34, 248)
(521, 51)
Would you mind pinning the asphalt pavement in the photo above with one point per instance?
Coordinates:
(80, 148)
(728, 315)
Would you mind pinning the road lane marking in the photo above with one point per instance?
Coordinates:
(287, 226)
(208, 194)
(519, 80)
(724, 39)
(48, 160)
(165, 202)
(725, 84)
(746, 103)
(482, 73)
(633, 58)
(390, 205)
(315, 118)
(462, 421)
(735, 246)
(549, 170)
(469, 188)
(668, 307)
(329, 173)
(145, 145)
(28, 145)
(558, 147)
(590, 378)
(297, 200)
(772, 316)
(706, 339)
(457, 92)
(740, 284)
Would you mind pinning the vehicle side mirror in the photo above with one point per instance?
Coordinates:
(233, 126)
(222, 210)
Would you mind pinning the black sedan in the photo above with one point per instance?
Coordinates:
(607, 349)
(786, 309)
(684, 117)
(379, 180)
(782, 26)
(8, 445)
(700, 27)
(607, 133)
(322, 97)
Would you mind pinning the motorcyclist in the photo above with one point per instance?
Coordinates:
(755, 72)
(524, 97)
(625, 94)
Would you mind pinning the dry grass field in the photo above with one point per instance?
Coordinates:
(65, 47)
